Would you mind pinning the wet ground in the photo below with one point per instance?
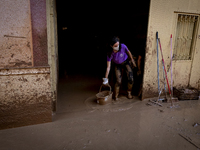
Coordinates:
(80, 123)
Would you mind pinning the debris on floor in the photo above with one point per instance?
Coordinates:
(189, 140)
(160, 110)
(196, 124)
(153, 102)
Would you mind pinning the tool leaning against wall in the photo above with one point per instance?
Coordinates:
(164, 74)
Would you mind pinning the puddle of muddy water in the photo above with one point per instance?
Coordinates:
(122, 104)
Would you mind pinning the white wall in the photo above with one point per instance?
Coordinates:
(163, 18)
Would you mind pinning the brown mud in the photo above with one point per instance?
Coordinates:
(80, 123)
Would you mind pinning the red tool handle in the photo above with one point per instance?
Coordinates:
(164, 67)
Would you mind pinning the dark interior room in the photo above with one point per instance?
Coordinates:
(84, 30)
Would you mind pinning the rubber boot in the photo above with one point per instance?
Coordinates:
(129, 91)
(129, 95)
(116, 93)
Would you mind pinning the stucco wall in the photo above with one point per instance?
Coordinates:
(25, 90)
(15, 34)
(162, 18)
(25, 97)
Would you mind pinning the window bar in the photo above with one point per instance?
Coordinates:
(192, 21)
(181, 38)
(178, 39)
(186, 37)
(194, 25)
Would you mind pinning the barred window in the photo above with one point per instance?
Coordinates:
(185, 36)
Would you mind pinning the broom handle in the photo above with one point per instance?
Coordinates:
(164, 66)
(157, 62)
(171, 68)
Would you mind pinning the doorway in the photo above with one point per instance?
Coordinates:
(84, 30)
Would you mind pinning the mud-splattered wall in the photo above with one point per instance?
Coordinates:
(25, 97)
(25, 84)
(163, 18)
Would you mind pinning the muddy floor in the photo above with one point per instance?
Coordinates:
(80, 123)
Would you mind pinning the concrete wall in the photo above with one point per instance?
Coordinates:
(15, 34)
(163, 18)
(52, 47)
(25, 83)
(25, 97)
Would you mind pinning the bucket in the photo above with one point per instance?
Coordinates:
(104, 97)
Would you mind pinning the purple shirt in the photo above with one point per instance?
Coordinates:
(120, 56)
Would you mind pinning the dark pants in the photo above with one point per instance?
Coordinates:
(118, 73)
